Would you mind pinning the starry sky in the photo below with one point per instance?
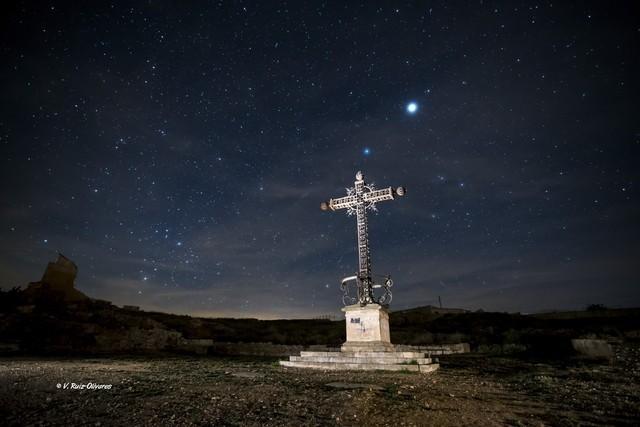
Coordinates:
(178, 153)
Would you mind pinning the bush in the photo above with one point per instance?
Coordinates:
(11, 299)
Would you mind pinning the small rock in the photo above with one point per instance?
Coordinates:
(250, 375)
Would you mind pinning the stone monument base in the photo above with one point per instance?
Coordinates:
(368, 347)
(367, 328)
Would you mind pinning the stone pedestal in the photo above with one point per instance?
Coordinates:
(367, 328)
(368, 347)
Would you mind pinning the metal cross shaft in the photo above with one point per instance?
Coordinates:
(359, 199)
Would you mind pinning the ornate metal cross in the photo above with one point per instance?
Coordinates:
(360, 198)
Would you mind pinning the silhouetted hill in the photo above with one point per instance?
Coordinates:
(52, 316)
(33, 323)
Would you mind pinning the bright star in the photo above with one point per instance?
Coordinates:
(412, 107)
(366, 151)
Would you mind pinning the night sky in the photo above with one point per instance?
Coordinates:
(178, 153)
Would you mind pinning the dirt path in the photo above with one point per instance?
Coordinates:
(468, 390)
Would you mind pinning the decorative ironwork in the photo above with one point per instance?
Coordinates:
(359, 199)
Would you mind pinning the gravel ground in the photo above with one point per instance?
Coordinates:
(467, 390)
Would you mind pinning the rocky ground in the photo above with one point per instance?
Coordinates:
(468, 390)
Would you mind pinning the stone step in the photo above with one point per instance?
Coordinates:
(320, 353)
(392, 354)
(360, 366)
(343, 359)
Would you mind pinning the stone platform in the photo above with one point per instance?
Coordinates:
(363, 361)
(368, 347)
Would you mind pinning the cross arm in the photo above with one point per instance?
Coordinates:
(383, 194)
(339, 203)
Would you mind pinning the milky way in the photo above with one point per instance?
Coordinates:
(178, 154)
